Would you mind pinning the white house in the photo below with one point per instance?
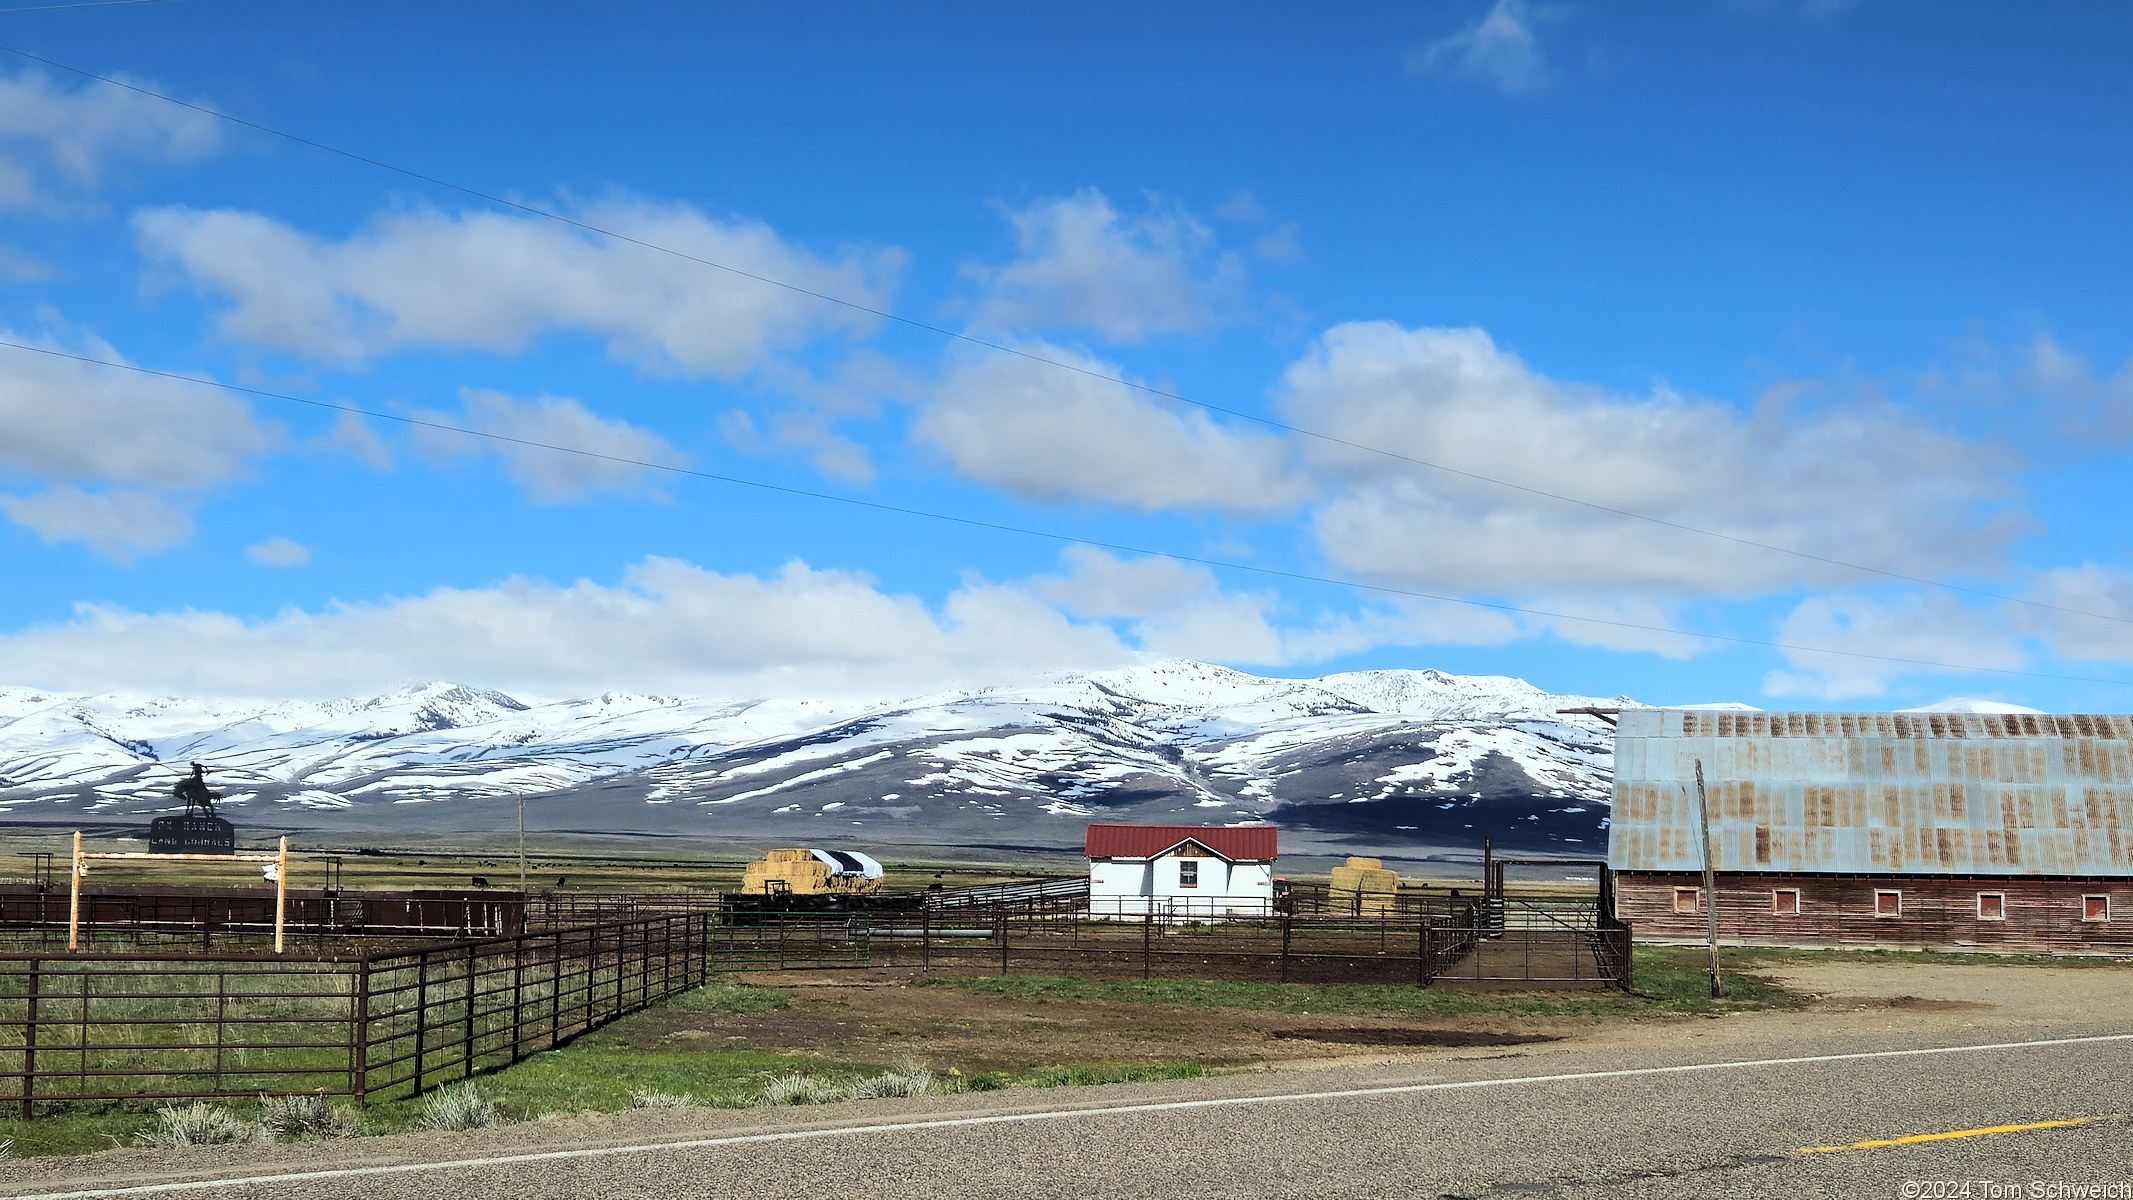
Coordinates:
(1180, 872)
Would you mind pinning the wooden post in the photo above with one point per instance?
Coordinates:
(281, 890)
(1710, 878)
(74, 898)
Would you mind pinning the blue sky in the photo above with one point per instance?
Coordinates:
(1844, 279)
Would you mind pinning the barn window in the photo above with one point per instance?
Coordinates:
(1685, 899)
(1188, 873)
(1888, 904)
(1785, 902)
(1992, 906)
(2095, 908)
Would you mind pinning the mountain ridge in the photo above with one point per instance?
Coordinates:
(1401, 758)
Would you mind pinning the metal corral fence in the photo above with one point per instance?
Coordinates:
(137, 1025)
(176, 917)
(1487, 940)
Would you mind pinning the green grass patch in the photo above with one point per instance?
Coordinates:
(598, 1075)
(1669, 979)
(79, 1131)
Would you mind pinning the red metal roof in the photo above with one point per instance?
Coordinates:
(1236, 843)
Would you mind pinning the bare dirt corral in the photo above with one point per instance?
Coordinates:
(878, 1016)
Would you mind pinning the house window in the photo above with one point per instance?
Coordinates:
(1992, 906)
(1785, 902)
(1188, 874)
(1685, 899)
(2095, 908)
(1888, 904)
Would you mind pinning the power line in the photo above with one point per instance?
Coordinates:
(1027, 531)
(1002, 348)
(33, 8)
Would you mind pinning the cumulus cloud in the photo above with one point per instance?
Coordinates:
(73, 421)
(667, 626)
(1048, 434)
(1086, 266)
(1860, 483)
(1180, 609)
(492, 282)
(2072, 592)
(278, 552)
(550, 476)
(1923, 628)
(152, 443)
(120, 523)
(56, 138)
(1501, 50)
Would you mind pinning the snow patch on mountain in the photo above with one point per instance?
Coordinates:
(1169, 740)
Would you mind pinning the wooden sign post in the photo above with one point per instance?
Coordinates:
(280, 859)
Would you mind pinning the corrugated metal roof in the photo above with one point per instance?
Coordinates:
(1875, 793)
(1236, 843)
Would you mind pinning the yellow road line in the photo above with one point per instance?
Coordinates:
(1958, 1133)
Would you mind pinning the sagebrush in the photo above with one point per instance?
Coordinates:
(199, 1124)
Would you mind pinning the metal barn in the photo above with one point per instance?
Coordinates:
(1939, 830)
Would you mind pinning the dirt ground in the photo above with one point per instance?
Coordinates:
(883, 1016)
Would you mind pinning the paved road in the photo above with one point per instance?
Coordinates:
(1671, 1117)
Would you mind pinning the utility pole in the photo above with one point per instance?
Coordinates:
(1710, 878)
(522, 844)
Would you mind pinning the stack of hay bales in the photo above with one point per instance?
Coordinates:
(1364, 886)
(802, 874)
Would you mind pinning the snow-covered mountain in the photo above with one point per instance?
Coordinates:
(1392, 760)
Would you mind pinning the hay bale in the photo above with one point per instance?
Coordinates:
(1364, 885)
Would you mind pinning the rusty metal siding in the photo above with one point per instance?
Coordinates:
(2041, 914)
(1875, 793)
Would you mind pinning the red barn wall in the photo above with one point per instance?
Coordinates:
(1938, 913)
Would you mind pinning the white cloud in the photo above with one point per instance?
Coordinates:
(62, 420)
(1049, 434)
(1922, 628)
(119, 524)
(353, 436)
(1859, 483)
(2088, 588)
(153, 443)
(487, 281)
(1502, 49)
(667, 627)
(1180, 609)
(54, 137)
(551, 476)
(278, 552)
(1086, 266)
